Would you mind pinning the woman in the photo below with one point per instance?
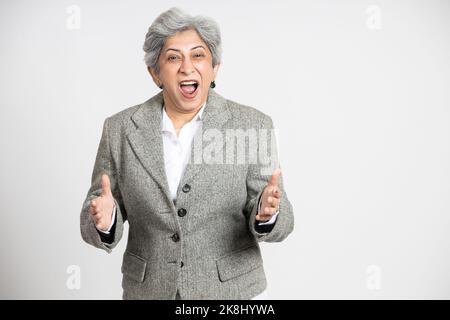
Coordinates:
(194, 228)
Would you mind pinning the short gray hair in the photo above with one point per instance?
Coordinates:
(174, 20)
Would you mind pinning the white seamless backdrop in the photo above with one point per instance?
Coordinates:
(359, 92)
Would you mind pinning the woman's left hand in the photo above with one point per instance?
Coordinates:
(270, 198)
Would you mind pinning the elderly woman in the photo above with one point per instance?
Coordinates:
(194, 225)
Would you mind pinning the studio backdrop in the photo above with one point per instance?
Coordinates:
(358, 92)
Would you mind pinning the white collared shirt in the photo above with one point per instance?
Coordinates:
(177, 149)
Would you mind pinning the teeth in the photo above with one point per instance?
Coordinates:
(188, 83)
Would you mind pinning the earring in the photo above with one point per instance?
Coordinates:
(161, 86)
(213, 84)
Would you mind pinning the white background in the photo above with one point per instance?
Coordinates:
(359, 93)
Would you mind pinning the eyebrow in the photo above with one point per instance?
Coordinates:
(178, 50)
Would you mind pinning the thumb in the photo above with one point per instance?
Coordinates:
(273, 181)
(106, 186)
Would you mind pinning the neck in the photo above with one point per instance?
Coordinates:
(179, 117)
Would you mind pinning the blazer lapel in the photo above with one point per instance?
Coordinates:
(215, 115)
(146, 140)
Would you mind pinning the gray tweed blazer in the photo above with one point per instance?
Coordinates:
(204, 244)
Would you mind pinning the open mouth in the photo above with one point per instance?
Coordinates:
(189, 88)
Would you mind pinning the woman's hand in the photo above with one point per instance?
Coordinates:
(270, 198)
(101, 208)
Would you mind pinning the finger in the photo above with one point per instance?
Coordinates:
(95, 219)
(269, 210)
(276, 193)
(273, 202)
(277, 203)
(106, 185)
(263, 217)
(94, 206)
(273, 181)
(100, 226)
(97, 208)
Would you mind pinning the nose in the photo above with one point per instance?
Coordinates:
(186, 66)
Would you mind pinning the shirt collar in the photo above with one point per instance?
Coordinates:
(167, 125)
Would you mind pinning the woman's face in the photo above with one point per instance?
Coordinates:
(186, 71)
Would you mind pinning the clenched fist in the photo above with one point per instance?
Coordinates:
(101, 208)
(270, 198)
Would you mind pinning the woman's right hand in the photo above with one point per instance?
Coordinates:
(101, 208)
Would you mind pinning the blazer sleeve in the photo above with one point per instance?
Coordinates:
(257, 178)
(104, 164)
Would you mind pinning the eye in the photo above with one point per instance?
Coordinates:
(172, 58)
(198, 55)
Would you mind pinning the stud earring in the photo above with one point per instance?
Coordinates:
(213, 84)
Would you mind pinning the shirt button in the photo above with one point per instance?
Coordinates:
(175, 237)
(186, 188)
(182, 212)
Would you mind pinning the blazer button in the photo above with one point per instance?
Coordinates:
(175, 237)
(182, 212)
(186, 188)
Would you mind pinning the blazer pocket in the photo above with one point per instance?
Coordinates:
(239, 262)
(134, 266)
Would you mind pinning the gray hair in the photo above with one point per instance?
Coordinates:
(174, 20)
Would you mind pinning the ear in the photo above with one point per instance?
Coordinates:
(154, 76)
